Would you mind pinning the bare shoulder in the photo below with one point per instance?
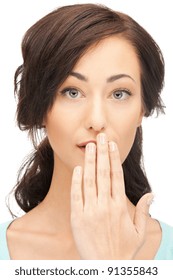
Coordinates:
(18, 228)
(31, 222)
(28, 239)
(23, 238)
(154, 233)
(153, 241)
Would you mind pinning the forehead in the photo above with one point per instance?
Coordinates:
(110, 56)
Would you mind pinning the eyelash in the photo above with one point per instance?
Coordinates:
(64, 92)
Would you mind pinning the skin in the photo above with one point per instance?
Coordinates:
(86, 214)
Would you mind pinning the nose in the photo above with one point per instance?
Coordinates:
(96, 118)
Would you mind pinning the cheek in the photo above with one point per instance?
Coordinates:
(126, 143)
(126, 132)
(61, 126)
(57, 129)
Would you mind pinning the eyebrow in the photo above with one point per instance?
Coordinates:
(79, 76)
(109, 80)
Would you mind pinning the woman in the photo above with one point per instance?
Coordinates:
(88, 78)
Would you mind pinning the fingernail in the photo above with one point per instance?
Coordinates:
(112, 146)
(150, 200)
(78, 170)
(91, 148)
(102, 138)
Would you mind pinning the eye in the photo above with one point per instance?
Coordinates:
(121, 94)
(71, 93)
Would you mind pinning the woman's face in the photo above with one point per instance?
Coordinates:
(102, 94)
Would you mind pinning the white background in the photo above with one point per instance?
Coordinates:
(155, 16)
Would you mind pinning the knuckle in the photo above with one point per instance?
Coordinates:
(105, 190)
(103, 172)
(89, 181)
(120, 206)
(103, 149)
(117, 173)
(90, 159)
(75, 181)
(76, 196)
(113, 173)
(103, 210)
(113, 155)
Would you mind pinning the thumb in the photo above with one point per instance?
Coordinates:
(142, 213)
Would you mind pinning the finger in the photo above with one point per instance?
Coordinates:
(117, 176)
(103, 168)
(89, 175)
(76, 191)
(142, 213)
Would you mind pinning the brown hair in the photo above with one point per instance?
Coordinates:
(51, 48)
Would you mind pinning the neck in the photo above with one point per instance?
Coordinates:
(56, 206)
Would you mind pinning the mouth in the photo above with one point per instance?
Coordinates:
(82, 148)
